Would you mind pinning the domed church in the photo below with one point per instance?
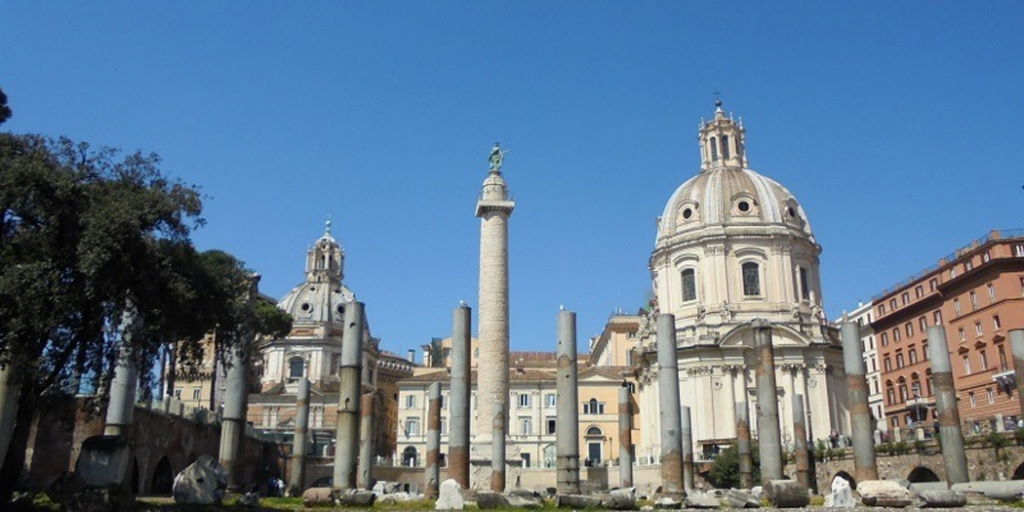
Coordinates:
(732, 246)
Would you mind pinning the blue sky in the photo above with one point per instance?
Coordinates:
(897, 125)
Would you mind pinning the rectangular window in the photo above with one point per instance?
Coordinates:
(885, 339)
(952, 273)
(956, 306)
(977, 328)
(968, 265)
(805, 293)
(984, 360)
(526, 459)
(887, 364)
(960, 332)
(985, 257)
(881, 307)
(933, 284)
(524, 401)
(177, 393)
(550, 400)
(996, 323)
(918, 291)
(909, 328)
(991, 293)
(196, 394)
(1002, 359)
(444, 426)
(525, 425)
(892, 304)
(923, 324)
(974, 403)
(938, 317)
(991, 395)
(913, 356)
(1018, 250)
(967, 365)
(689, 285)
(905, 297)
(974, 301)
(551, 425)
(899, 361)
(410, 401)
(751, 279)
(412, 427)
(896, 334)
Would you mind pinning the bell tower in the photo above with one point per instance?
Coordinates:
(325, 261)
(722, 142)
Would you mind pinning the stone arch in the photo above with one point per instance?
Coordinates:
(922, 474)
(1018, 474)
(163, 477)
(845, 476)
(324, 481)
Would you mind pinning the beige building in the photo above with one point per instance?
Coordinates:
(532, 399)
(732, 246)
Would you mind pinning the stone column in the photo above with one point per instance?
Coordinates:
(121, 403)
(1017, 348)
(297, 482)
(687, 442)
(346, 441)
(801, 456)
(669, 414)
(494, 209)
(746, 462)
(953, 455)
(236, 394)
(367, 433)
(567, 425)
(625, 438)
(458, 424)
(729, 375)
(432, 475)
(864, 464)
(768, 436)
(10, 393)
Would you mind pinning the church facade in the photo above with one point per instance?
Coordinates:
(733, 245)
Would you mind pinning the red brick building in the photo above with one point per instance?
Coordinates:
(977, 294)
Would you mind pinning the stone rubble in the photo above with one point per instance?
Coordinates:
(884, 493)
(841, 495)
(697, 499)
(203, 482)
(450, 496)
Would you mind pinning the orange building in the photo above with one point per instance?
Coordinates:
(977, 294)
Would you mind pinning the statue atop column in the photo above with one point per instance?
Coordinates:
(496, 158)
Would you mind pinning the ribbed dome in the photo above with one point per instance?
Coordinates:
(317, 302)
(731, 196)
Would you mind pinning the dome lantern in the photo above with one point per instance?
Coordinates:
(722, 142)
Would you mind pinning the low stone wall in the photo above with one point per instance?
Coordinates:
(162, 444)
(983, 463)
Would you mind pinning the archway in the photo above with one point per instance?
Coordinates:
(846, 476)
(163, 478)
(1018, 474)
(922, 474)
(324, 481)
(410, 457)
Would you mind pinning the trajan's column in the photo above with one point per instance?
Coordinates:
(494, 208)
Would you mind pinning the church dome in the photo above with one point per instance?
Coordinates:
(727, 192)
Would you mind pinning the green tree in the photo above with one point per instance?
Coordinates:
(85, 233)
(5, 111)
(725, 470)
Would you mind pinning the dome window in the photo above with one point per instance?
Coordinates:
(791, 211)
(751, 279)
(341, 309)
(743, 206)
(714, 149)
(688, 213)
(689, 282)
(725, 147)
(305, 306)
(296, 367)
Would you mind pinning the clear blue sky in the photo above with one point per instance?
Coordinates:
(898, 126)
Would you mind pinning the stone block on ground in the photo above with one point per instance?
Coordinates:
(1003, 490)
(577, 501)
(787, 494)
(318, 497)
(203, 482)
(841, 494)
(757, 492)
(250, 499)
(942, 498)
(884, 493)
(735, 498)
(489, 499)
(104, 461)
(698, 499)
(450, 496)
(522, 498)
(668, 502)
(385, 487)
(620, 499)
(355, 498)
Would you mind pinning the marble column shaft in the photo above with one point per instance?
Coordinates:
(950, 435)
(458, 439)
(346, 441)
(865, 467)
(567, 433)
(625, 438)
(433, 470)
(768, 435)
(367, 434)
(297, 480)
(669, 413)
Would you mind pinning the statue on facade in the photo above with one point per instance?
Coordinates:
(496, 157)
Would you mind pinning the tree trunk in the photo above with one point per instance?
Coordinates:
(15, 460)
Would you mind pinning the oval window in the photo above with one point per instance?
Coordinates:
(743, 206)
(687, 213)
(305, 306)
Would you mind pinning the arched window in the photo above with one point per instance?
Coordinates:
(890, 393)
(805, 290)
(410, 457)
(594, 432)
(725, 147)
(296, 367)
(751, 279)
(689, 284)
(714, 149)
